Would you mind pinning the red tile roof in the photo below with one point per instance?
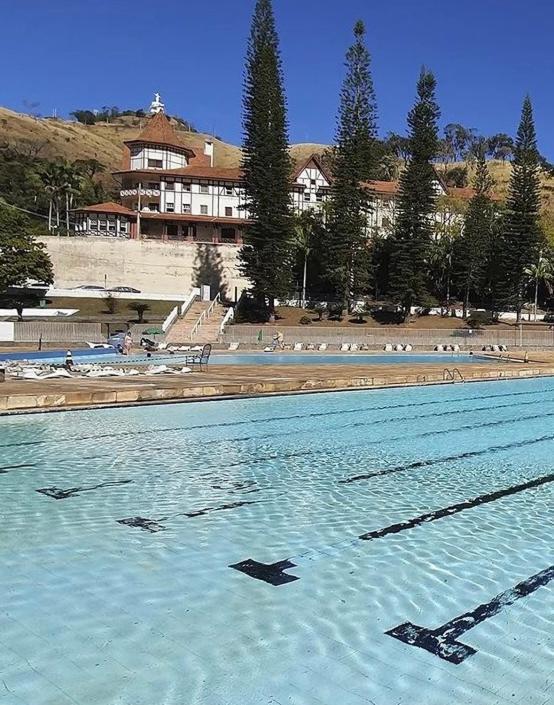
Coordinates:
(109, 207)
(159, 130)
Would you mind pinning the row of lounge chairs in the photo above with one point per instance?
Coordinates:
(398, 347)
(494, 348)
(34, 374)
(447, 348)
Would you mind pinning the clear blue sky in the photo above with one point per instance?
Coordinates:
(486, 55)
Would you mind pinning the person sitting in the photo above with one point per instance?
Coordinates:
(278, 340)
(68, 361)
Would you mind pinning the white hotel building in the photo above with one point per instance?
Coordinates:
(170, 192)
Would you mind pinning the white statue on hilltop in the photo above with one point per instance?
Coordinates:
(156, 106)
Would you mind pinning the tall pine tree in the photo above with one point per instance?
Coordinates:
(354, 161)
(522, 236)
(267, 255)
(474, 244)
(408, 272)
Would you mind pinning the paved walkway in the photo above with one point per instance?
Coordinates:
(246, 380)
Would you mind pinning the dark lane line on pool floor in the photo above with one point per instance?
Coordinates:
(456, 508)
(4, 469)
(59, 493)
(171, 429)
(443, 641)
(444, 459)
(154, 525)
(270, 572)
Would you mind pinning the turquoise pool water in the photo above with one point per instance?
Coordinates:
(305, 358)
(144, 552)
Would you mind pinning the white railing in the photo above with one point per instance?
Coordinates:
(142, 191)
(170, 319)
(204, 316)
(229, 315)
(191, 298)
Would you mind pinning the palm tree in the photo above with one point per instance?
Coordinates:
(307, 225)
(542, 271)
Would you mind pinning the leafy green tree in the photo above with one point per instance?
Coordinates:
(542, 271)
(522, 237)
(268, 253)
(308, 230)
(408, 270)
(23, 260)
(355, 161)
(140, 307)
(470, 254)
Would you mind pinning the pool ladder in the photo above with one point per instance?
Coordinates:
(451, 375)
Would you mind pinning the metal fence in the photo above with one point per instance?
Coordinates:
(50, 332)
(378, 337)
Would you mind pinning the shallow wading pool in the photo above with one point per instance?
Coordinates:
(391, 547)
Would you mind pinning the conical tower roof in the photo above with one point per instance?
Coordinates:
(159, 130)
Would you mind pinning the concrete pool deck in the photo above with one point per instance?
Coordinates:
(249, 380)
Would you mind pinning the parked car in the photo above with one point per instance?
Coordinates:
(117, 339)
(125, 290)
(90, 287)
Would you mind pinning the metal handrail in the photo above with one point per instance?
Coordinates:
(451, 374)
(205, 315)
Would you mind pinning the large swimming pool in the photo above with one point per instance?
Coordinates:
(253, 358)
(391, 547)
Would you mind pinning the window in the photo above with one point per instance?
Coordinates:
(186, 207)
(228, 211)
(203, 210)
(227, 234)
(155, 164)
(228, 190)
(111, 227)
(103, 225)
(170, 207)
(204, 188)
(123, 226)
(169, 186)
(186, 187)
(307, 196)
(312, 182)
(154, 207)
(153, 185)
(94, 225)
(319, 197)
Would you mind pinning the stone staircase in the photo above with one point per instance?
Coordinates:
(208, 332)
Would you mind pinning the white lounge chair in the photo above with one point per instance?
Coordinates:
(310, 346)
(495, 348)
(408, 347)
(268, 349)
(388, 347)
(185, 370)
(195, 348)
(322, 347)
(162, 346)
(456, 348)
(94, 346)
(183, 348)
(354, 347)
(234, 346)
(439, 348)
(345, 347)
(297, 347)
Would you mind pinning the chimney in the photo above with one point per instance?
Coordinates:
(209, 151)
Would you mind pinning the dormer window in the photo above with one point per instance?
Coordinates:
(204, 188)
(155, 164)
(312, 182)
(228, 190)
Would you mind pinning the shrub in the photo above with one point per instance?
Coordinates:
(477, 319)
(319, 307)
(335, 311)
(305, 321)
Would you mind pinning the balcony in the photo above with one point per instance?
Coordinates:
(142, 192)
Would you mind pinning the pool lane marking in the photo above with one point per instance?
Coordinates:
(283, 418)
(59, 493)
(154, 525)
(436, 461)
(252, 567)
(456, 508)
(4, 469)
(443, 641)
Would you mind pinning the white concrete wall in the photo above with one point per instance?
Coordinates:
(151, 266)
(6, 332)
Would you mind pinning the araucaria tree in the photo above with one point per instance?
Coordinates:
(474, 245)
(354, 162)
(268, 253)
(408, 272)
(522, 237)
